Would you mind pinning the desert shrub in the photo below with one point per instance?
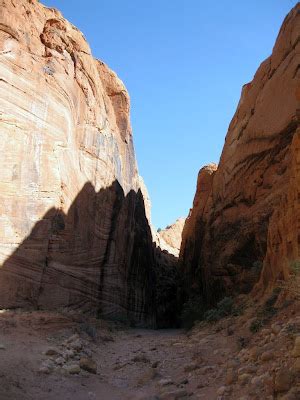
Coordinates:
(242, 342)
(224, 308)
(212, 315)
(295, 267)
(292, 285)
(266, 312)
(192, 311)
(256, 325)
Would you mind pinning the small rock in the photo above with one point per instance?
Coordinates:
(230, 331)
(51, 352)
(72, 338)
(268, 346)
(276, 328)
(230, 376)
(88, 353)
(155, 364)
(44, 370)
(221, 390)
(267, 355)
(60, 361)
(261, 379)
(296, 350)
(76, 345)
(46, 367)
(184, 381)
(265, 332)
(233, 363)
(106, 338)
(247, 369)
(148, 376)
(244, 378)
(72, 369)
(174, 395)
(141, 358)
(205, 370)
(256, 381)
(88, 364)
(296, 366)
(283, 380)
(254, 353)
(67, 354)
(293, 394)
(165, 382)
(191, 367)
(272, 337)
(2, 347)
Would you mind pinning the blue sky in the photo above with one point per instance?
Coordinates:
(183, 63)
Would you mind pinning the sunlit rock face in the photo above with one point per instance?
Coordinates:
(243, 230)
(172, 235)
(73, 230)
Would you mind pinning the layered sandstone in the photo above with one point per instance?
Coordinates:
(172, 235)
(73, 229)
(246, 213)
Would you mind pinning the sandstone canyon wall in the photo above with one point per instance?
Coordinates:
(246, 211)
(73, 229)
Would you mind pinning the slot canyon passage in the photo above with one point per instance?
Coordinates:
(94, 302)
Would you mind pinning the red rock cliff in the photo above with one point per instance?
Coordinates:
(73, 230)
(246, 213)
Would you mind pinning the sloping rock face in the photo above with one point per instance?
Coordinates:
(193, 231)
(172, 235)
(73, 229)
(246, 213)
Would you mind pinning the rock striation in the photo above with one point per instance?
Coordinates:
(243, 229)
(73, 228)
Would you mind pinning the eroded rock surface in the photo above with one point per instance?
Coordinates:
(172, 235)
(246, 213)
(73, 229)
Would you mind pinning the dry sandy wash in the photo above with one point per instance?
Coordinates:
(66, 356)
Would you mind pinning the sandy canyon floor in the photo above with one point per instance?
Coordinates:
(55, 356)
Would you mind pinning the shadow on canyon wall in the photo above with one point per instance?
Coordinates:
(98, 258)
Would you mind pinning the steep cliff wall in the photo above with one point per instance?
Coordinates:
(73, 230)
(250, 217)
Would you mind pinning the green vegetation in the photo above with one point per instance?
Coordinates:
(266, 312)
(194, 310)
(292, 285)
(225, 308)
(295, 267)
